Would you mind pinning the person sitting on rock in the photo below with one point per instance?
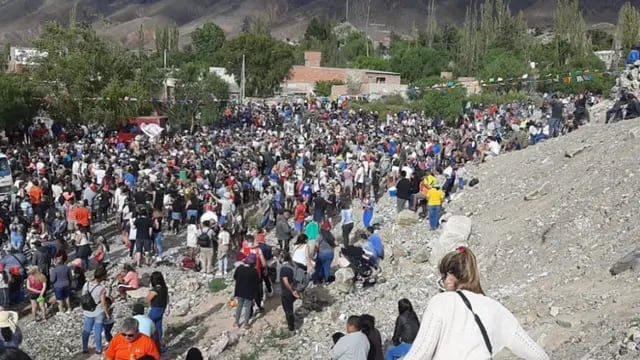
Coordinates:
(127, 280)
(354, 345)
(633, 107)
(368, 327)
(463, 308)
(405, 331)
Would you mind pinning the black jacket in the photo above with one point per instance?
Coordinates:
(403, 188)
(407, 326)
(247, 281)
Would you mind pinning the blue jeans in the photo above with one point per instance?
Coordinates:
(107, 331)
(158, 241)
(192, 213)
(323, 266)
(434, 216)
(246, 305)
(265, 221)
(17, 240)
(460, 183)
(85, 262)
(398, 351)
(95, 324)
(156, 314)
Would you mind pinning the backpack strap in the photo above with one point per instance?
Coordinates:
(485, 336)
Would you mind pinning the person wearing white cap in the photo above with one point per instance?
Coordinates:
(10, 333)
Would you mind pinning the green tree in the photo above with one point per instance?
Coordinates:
(18, 100)
(628, 26)
(318, 30)
(268, 62)
(208, 39)
(256, 25)
(323, 88)
(371, 63)
(570, 32)
(199, 95)
(355, 45)
(415, 62)
(167, 38)
(79, 68)
(446, 103)
(601, 40)
(503, 63)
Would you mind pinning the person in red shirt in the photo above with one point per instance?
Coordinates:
(130, 344)
(82, 216)
(299, 215)
(35, 193)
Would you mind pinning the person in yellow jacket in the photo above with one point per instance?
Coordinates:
(425, 185)
(435, 197)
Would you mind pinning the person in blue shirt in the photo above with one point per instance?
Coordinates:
(634, 55)
(129, 179)
(307, 190)
(373, 246)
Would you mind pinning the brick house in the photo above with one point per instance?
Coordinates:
(302, 78)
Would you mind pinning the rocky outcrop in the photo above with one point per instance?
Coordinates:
(455, 232)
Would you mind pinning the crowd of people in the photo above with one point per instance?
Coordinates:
(301, 167)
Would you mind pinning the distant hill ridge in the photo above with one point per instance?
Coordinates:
(21, 20)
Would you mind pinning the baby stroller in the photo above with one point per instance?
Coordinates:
(366, 274)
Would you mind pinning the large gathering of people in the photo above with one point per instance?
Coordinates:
(302, 168)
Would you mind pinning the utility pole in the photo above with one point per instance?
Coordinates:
(242, 80)
(346, 12)
(166, 86)
(366, 28)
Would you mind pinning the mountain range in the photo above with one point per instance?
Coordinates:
(22, 20)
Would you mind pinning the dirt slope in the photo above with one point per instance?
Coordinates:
(556, 250)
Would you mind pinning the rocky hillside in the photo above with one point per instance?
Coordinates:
(548, 224)
(20, 20)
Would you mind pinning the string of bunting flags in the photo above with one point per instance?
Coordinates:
(577, 76)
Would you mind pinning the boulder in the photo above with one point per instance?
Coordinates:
(407, 217)
(398, 251)
(218, 346)
(344, 280)
(633, 133)
(455, 233)
(573, 152)
(421, 257)
(631, 261)
(181, 308)
(139, 293)
(538, 193)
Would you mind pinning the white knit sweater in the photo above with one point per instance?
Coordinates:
(448, 330)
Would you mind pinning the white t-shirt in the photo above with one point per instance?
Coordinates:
(300, 254)
(447, 316)
(494, 147)
(360, 175)
(100, 173)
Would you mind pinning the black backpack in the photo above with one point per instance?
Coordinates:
(86, 300)
(204, 240)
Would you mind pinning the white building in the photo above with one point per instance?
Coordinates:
(23, 57)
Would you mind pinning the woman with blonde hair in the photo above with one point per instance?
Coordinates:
(36, 288)
(462, 323)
